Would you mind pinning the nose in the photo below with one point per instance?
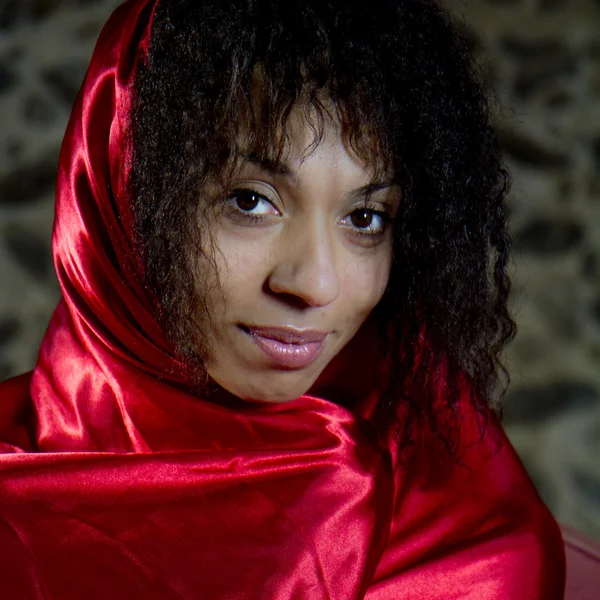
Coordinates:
(305, 268)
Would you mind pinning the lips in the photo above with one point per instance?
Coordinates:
(287, 347)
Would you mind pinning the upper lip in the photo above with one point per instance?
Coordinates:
(288, 335)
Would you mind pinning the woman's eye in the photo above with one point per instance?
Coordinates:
(252, 203)
(361, 218)
(368, 221)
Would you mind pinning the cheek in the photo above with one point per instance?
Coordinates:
(365, 281)
(241, 269)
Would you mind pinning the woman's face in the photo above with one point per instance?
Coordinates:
(301, 262)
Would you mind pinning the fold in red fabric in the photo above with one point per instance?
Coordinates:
(117, 483)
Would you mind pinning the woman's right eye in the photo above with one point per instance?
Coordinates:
(250, 203)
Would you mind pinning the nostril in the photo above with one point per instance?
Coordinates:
(288, 298)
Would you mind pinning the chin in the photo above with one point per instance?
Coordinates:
(275, 387)
(276, 395)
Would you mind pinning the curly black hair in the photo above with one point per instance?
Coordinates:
(401, 78)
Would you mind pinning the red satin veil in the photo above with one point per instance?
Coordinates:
(116, 483)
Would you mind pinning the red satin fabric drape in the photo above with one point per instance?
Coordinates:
(116, 483)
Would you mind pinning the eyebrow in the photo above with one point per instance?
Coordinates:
(368, 190)
(273, 167)
(280, 169)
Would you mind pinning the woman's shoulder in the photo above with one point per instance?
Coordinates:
(475, 517)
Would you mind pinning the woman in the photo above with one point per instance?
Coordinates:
(281, 242)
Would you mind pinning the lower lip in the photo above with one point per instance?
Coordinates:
(290, 356)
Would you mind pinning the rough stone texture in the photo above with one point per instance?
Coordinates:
(542, 58)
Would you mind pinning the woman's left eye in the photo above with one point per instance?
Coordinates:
(251, 203)
(368, 221)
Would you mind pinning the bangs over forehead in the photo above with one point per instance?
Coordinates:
(264, 64)
(265, 118)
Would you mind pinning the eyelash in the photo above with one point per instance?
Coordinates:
(231, 200)
(385, 217)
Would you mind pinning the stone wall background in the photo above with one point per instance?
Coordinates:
(542, 58)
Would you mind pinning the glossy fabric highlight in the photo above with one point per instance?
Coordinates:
(117, 483)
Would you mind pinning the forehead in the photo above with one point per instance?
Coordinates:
(307, 131)
(283, 125)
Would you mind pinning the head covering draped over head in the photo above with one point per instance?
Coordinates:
(117, 483)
